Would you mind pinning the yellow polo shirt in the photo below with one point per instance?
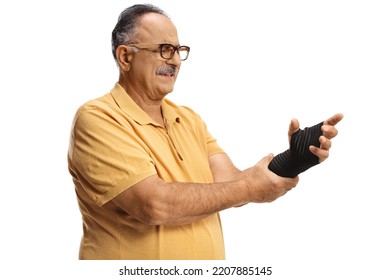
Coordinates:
(113, 145)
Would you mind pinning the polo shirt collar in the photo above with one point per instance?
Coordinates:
(169, 114)
(127, 104)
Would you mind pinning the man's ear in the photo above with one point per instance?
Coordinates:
(124, 55)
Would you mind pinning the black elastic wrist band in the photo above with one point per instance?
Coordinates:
(298, 158)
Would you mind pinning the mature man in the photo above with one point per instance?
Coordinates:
(150, 179)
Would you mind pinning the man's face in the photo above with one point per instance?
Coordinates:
(148, 73)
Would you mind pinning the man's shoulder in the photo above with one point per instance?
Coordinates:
(96, 108)
(104, 103)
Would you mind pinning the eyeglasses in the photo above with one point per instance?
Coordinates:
(167, 51)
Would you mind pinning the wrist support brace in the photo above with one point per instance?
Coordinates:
(298, 158)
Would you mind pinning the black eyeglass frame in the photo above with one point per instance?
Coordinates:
(162, 51)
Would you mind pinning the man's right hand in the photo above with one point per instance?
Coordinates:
(264, 185)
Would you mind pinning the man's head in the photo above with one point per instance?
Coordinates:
(127, 26)
(146, 48)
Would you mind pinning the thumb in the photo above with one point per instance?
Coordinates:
(293, 127)
(265, 160)
(269, 157)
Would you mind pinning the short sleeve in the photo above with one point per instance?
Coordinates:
(212, 145)
(106, 155)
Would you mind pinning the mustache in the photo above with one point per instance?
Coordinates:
(167, 70)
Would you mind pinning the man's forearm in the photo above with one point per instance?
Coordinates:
(186, 202)
(156, 202)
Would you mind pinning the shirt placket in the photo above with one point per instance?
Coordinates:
(169, 128)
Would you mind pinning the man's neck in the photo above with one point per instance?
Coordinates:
(151, 107)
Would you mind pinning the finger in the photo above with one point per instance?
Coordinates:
(334, 119)
(293, 127)
(292, 183)
(329, 131)
(266, 160)
(322, 154)
(325, 143)
(269, 158)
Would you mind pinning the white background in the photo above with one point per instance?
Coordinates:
(253, 66)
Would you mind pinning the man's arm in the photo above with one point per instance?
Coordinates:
(155, 202)
(222, 168)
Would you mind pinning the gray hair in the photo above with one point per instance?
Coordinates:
(127, 25)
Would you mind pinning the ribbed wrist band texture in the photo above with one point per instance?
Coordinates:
(298, 158)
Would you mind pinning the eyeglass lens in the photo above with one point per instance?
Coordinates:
(168, 51)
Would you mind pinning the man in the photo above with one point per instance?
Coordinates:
(150, 179)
